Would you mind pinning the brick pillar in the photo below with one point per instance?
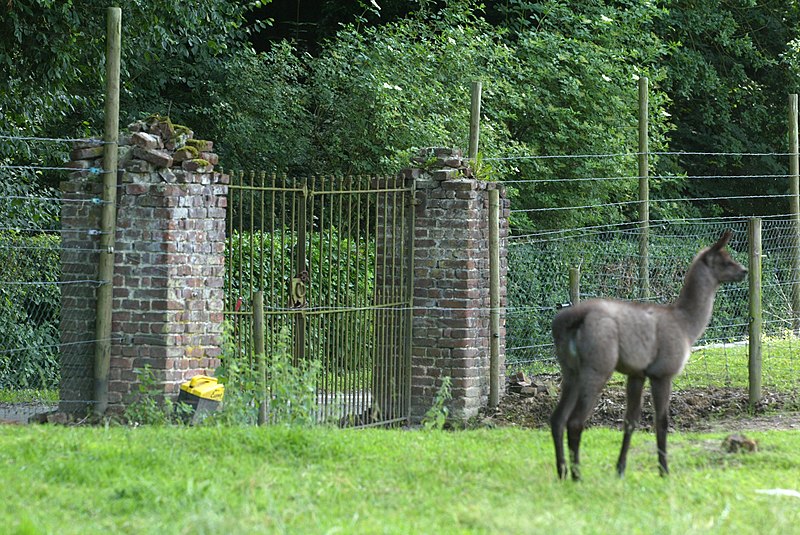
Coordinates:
(451, 277)
(169, 265)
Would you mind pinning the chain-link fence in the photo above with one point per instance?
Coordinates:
(538, 285)
(43, 270)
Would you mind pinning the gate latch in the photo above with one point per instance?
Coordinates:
(297, 291)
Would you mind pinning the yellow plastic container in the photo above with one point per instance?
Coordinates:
(204, 387)
(202, 393)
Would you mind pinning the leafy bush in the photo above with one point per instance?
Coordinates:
(150, 407)
(290, 388)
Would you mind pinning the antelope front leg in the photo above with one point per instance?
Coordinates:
(633, 413)
(661, 389)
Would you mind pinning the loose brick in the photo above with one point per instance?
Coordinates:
(88, 153)
(146, 141)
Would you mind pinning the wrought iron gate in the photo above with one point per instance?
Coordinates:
(332, 258)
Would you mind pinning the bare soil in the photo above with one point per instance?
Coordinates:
(706, 409)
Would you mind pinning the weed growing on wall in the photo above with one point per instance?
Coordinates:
(150, 407)
(436, 416)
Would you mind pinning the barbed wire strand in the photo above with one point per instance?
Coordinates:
(49, 283)
(91, 170)
(55, 139)
(90, 232)
(635, 177)
(633, 226)
(632, 155)
(91, 200)
(651, 201)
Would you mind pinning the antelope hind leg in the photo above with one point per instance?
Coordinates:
(558, 421)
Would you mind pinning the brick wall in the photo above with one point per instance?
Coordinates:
(169, 272)
(169, 265)
(451, 276)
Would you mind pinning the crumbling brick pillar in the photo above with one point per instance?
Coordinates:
(451, 279)
(169, 265)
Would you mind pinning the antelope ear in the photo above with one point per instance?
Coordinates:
(723, 240)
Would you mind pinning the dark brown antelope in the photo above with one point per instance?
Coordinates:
(640, 340)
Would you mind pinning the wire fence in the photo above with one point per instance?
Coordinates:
(47, 271)
(607, 255)
(47, 265)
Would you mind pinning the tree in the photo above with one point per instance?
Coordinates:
(728, 76)
(51, 58)
(380, 91)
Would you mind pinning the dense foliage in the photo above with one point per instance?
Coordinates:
(559, 78)
(731, 65)
(29, 310)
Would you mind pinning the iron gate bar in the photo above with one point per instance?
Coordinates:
(356, 323)
(383, 377)
(411, 204)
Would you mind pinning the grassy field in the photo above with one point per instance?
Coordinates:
(283, 480)
(724, 365)
(727, 365)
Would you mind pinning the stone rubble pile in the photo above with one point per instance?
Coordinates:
(154, 144)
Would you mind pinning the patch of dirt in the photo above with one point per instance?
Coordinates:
(699, 409)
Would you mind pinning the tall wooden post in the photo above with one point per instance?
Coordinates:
(794, 210)
(494, 298)
(644, 193)
(474, 121)
(102, 355)
(754, 299)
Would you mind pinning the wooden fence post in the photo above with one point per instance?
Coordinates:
(644, 192)
(261, 357)
(794, 210)
(574, 285)
(102, 354)
(494, 298)
(754, 300)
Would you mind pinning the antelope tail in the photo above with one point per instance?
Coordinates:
(565, 327)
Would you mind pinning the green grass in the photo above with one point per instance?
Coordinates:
(279, 480)
(720, 365)
(727, 365)
(28, 395)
